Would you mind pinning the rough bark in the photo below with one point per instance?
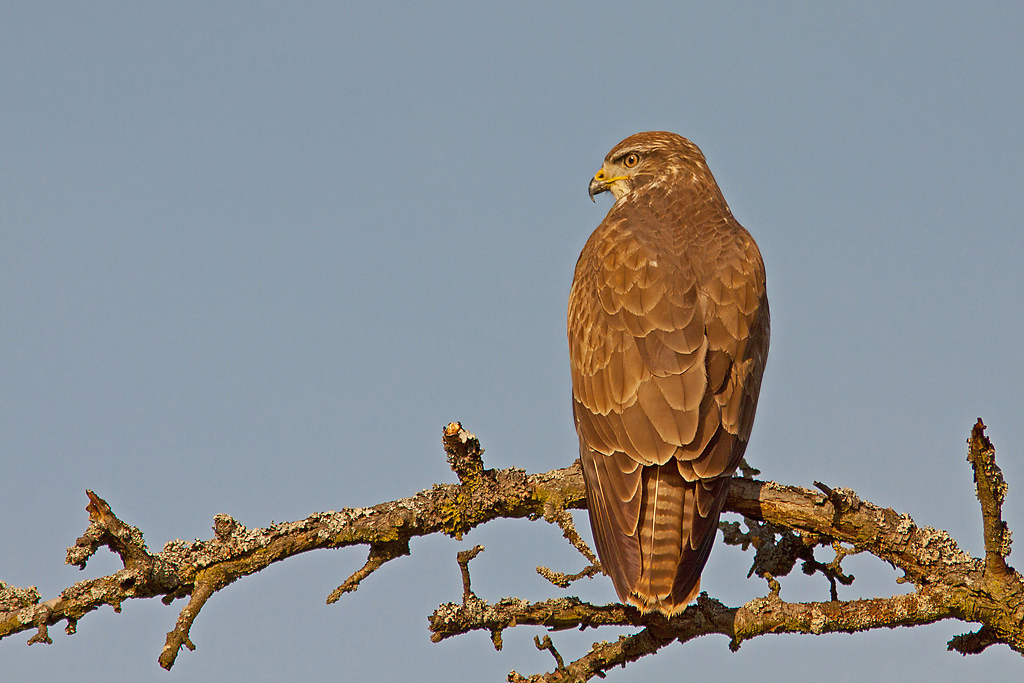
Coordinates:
(785, 524)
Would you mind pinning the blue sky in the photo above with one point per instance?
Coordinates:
(253, 257)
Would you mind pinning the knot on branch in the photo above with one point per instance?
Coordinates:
(42, 634)
(843, 501)
(464, 453)
(224, 526)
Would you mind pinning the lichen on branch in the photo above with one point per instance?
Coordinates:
(785, 525)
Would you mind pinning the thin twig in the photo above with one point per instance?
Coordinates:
(378, 555)
(463, 557)
(179, 636)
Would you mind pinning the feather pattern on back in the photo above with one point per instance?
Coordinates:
(668, 331)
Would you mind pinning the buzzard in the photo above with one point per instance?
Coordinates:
(668, 337)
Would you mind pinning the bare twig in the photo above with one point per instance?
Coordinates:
(563, 519)
(564, 580)
(179, 636)
(378, 555)
(546, 644)
(464, 557)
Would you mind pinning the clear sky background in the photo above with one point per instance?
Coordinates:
(254, 256)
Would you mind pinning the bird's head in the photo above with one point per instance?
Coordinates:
(645, 158)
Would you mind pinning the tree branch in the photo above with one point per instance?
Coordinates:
(991, 491)
(785, 524)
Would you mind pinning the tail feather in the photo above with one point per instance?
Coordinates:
(654, 545)
(675, 539)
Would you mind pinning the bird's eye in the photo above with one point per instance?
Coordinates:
(631, 160)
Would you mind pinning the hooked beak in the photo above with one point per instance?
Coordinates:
(602, 183)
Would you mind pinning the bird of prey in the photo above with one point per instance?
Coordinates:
(668, 337)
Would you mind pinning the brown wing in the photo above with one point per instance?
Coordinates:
(668, 333)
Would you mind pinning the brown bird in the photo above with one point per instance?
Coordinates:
(668, 337)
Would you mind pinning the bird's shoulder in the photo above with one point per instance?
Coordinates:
(654, 236)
